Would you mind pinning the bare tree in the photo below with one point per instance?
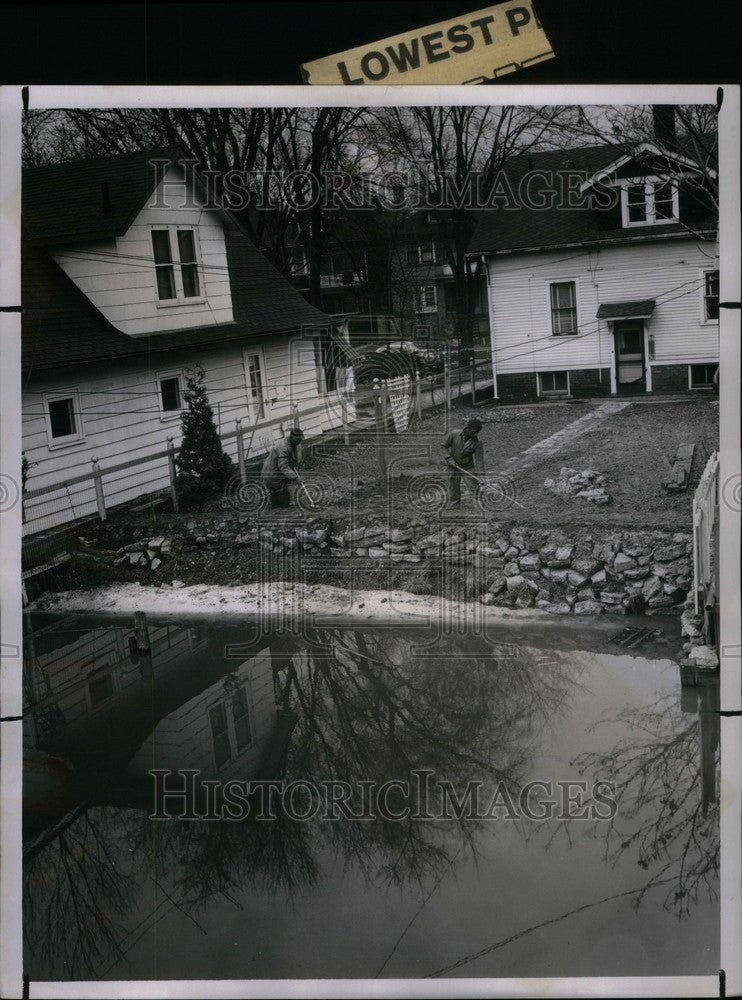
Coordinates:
(451, 154)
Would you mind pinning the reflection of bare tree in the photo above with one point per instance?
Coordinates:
(73, 889)
(369, 710)
(662, 815)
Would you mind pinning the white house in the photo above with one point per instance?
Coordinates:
(608, 285)
(129, 282)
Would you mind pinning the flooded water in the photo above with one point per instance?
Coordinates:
(412, 879)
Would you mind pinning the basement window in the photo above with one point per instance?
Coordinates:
(702, 376)
(553, 383)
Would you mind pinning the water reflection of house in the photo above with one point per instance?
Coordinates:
(112, 712)
(221, 730)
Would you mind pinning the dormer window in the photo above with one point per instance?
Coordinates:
(176, 264)
(649, 202)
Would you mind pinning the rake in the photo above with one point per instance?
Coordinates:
(482, 485)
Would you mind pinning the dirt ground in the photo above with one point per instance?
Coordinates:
(507, 432)
(635, 450)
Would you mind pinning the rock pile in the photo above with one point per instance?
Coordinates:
(586, 572)
(146, 552)
(587, 484)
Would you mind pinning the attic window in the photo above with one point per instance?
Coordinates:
(176, 264)
(649, 202)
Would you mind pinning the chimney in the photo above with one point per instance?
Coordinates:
(105, 195)
(663, 120)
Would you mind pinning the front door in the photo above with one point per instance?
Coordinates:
(257, 399)
(630, 367)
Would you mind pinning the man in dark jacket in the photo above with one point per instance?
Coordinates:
(463, 450)
(279, 468)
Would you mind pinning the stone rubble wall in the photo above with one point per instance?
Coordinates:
(584, 573)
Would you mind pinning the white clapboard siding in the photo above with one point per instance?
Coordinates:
(118, 276)
(184, 738)
(671, 272)
(122, 421)
(61, 677)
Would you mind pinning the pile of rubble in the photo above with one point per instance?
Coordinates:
(695, 653)
(588, 484)
(146, 552)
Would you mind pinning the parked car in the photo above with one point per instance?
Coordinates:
(425, 360)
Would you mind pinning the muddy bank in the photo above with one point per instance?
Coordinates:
(559, 571)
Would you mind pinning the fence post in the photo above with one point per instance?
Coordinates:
(344, 419)
(171, 473)
(473, 381)
(447, 388)
(240, 449)
(379, 417)
(98, 483)
(141, 632)
(418, 401)
(296, 416)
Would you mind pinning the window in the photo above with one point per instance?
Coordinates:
(424, 251)
(702, 376)
(553, 382)
(255, 386)
(427, 251)
(710, 295)
(171, 396)
(63, 423)
(176, 264)
(230, 726)
(426, 299)
(563, 308)
(188, 266)
(241, 719)
(649, 202)
(220, 735)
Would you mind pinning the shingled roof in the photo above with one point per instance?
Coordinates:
(62, 327)
(526, 229)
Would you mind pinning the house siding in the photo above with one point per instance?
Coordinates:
(118, 275)
(671, 272)
(122, 421)
(184, 739)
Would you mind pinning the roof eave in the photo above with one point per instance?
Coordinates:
(649, 238)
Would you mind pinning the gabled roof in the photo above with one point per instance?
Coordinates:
(62, 327)
(65, 202)
(525, 229)
(642, 149)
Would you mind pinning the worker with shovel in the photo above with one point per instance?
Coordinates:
(464, 455)
(279, 468)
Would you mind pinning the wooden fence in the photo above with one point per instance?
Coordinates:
(464, 382)
(705, 534)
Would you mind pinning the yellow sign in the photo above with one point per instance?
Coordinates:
(470, 49)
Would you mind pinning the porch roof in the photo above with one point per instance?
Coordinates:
(638, 309)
